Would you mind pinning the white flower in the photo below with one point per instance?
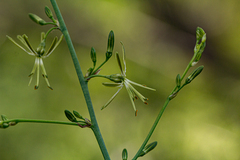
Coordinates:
(39, 53)
(121, 80)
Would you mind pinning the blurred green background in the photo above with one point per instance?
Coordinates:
(202, 122)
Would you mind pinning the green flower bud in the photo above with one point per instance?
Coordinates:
(178, 80)
(93, 56)
(200, 34)
(3, 125)
(194, 74)
(37, 19)
(77, 115)
(70, 116)
(124, 154)
(110, 42)
(148, 148)
(48, 12)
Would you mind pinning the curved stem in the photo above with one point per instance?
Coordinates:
(83, 83)
(152, 129)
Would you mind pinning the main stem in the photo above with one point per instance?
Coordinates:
(82, 81)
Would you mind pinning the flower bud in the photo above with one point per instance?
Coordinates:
(37, 19)
(194, 74)
(48, 12)
(178, 80)
(70, 116)
(110, 42)
(148, 148)
(124, 154)
(3, 125)
(77, 115)
(93, 56)
(200, 34)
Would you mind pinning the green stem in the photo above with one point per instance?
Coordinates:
(82, 81)
(43, 121)
(152, 129)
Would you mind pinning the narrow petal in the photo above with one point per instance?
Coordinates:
(111, 99)
(139, 95)
(124, 62)
(44, 73)
(25, 41)
(33, 71)
(20, 46)
(119, 63)
(140, 85)
(131, 96)
(108, 84)
(52, 48)
(37, 83)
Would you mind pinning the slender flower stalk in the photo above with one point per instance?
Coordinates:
(121, 80)
(39, 54)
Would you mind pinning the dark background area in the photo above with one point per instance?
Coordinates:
(202, 122)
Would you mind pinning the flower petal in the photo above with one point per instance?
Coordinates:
(124, 62)
(111, 99)
(140, 85)
(20, 46)
(54, 45)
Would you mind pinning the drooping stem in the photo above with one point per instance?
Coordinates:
(82, 81)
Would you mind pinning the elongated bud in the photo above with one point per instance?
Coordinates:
(93, 56)
(148, 148)
(194, 74)
(200, 45)
(124, 154)
(48, 12)
(77, 115)
(70, 116)
(110, 42)
(3, 125)
(37, 19)
(200, 34)
(178, 80)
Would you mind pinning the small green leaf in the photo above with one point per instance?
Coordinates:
(124, 154)
(70, 116)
